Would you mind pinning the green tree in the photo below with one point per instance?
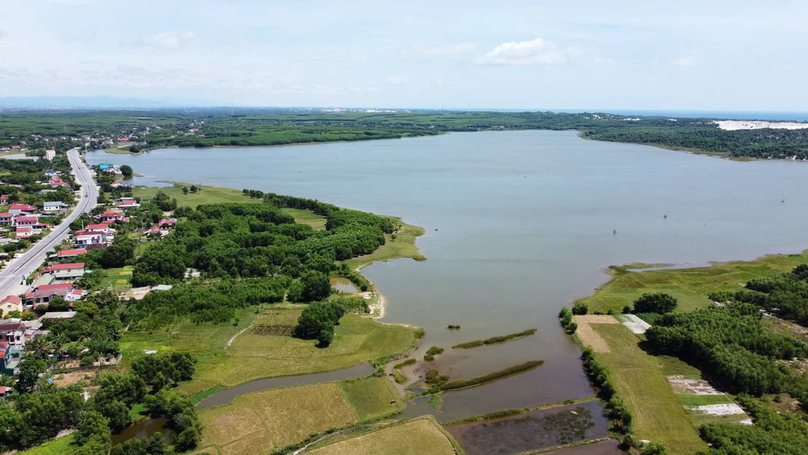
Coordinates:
(126, 170)
(92, 423)
(30, 369)
(316, 286)
(580, 308)
(655, 303)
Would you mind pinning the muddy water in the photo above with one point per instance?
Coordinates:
(226, 396)
(343, 285)
(518, 224)
(533, 430)
(144, 429)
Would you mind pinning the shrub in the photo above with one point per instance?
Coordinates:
(655, 303)
(580, 308)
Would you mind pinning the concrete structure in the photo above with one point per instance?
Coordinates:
(54, 206)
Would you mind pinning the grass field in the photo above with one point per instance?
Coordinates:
(372, 398)
(356, 340)
(689, 286)
(317, 222)
(117, 278)
(421, 436)
(403, 246)
(52, 447)
(657, 413)
(253, 356)
(262, 421)
(208, 195)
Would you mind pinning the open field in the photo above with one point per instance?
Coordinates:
(314, 220)
(208, 195)
(403, 246)
(52, 447)
(372, 398)
(262, 421)
(259, 355)
(657, 413)
(421, 436)
(117, 278)
(689, 286)
(356, 340)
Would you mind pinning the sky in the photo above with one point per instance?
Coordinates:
(689, 55)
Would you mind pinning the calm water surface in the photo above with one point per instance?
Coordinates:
(518, 224)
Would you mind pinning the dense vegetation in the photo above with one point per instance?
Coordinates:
(245, 127)
(731, 344)
(494, 340)
(785, 295)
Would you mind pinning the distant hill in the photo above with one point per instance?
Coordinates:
(102, 102)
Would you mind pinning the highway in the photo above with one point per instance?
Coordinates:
(23, 265)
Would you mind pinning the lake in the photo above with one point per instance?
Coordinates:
(518, 224)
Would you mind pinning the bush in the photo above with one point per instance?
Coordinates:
(580, 308)
(655, 303)
(626, 309)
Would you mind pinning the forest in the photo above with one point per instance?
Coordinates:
(254, 126)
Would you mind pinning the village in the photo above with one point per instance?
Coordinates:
(68, 273)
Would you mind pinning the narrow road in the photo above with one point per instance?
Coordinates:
(24, 265)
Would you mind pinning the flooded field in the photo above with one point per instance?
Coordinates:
(534, 430)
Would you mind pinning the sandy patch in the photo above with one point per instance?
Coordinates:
(595, 319)
(635, 324)
(682, 386)
(720, 409)
(733, 125)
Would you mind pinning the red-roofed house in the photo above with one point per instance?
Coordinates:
(4, 199)
(27, 220)
(102, 228)
(110, 215)
(167, 223)
(12, 333)
(43, 294)
(9, 304)
(75, 295)
(16, 209)
(128, 204)
(70, 253)
(92, 240)
(6, 219)
(65, 271)
(119, 184)
(23, 232)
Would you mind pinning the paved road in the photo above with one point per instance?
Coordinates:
(24, 265)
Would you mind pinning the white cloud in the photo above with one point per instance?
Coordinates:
(533, 52)
(397, 80)
(2, 33)
(451, 51)
(684, 61)
(167, 40)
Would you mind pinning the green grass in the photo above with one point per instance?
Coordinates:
(118, 278)
(674, 366)
(317, 222)
(703, 400)
(252, 356)
(422, 435)
(208, 195)
(403, 246)
(371, 398)
(52, 447)
(690, 286)
(657, 413)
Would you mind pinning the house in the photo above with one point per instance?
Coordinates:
(128, 204)
(52, 173)
(99, 228)
(27, 220)
(6, 219)
(16, 209)
(91, 240)
(50, 155)
(12, 333)
(110, 215)
(43, 294)
(4, 199)
(70, 253)
(9, 361)
(154, 230)
(23, 232)
(54, 206)
(167, 223)
(104, 166)
(57, 315)
(66, 271)
(9, 304)
(118, 184)
(75, 295)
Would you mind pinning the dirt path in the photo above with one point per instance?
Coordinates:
(588, 336)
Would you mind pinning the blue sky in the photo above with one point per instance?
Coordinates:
(705, 55)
